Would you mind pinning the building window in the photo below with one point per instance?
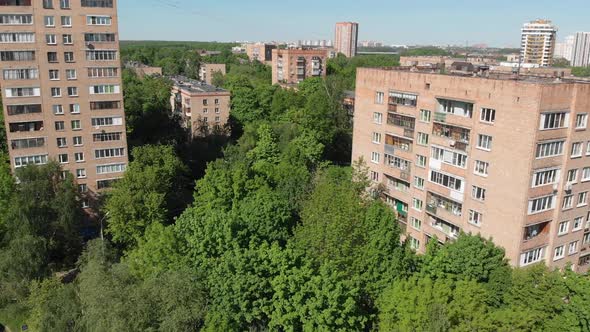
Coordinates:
(414, 243)
(568, 202)
(488, 115)
(79, 157)
(377, 138)
(555, 120)
(585, 174)
(63, 158)
(75, 108)
(109, 153)
(481, 168)
(21, 74)
(475, 218)
(64, 4)
(67, 39)
(107, 121)
(550, 149)
(576, 149)
(581, 121)
(572, 248)
(54, 74)
(417, 204)
(51, 39)
(484, 142)
(69, 57)
(377, 118)
(98, 20)
(404, 99)
(420, 161)
(111, 168)
(532, 256)
(55, 92)
(104, 89)
(578, 224)
(422, 138)
(418, 182)
(425, 115)
(59, 126)
(81, 173)
(478, 193)
(447, 181)
(545, 177)
(374, 176)
(563, 228)
(416, 223)
(66, 21)
(77, 140)
(49, 21)
(541, 204)
(76, 125)
(71, 74)
(58, 109)
(586, 238)
(588, 149)
(52, 57)
(62, 142)
(572, 176)
(101, 55)
(82, 188)
(449, 157)
(375, 157)
(583, 199)
(379, 97)
(559, 253)
(72, 91)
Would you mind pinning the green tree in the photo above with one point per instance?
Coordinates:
(152, 191)
(54, 306)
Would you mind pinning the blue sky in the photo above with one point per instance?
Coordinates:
(495, 22)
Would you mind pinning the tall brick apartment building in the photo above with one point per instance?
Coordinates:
(498, 155)
(61, 88)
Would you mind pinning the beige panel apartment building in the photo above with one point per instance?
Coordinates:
(203, 108)
(291, 66)
(61, 88)
(346, 38)
(506, 158)
(208, 69)
(260, 52)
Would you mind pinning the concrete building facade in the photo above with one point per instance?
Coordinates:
(581, 50)
(498, 156)
(346, 38)
(291, 66)
(203, 108)
(538, 42)
(208, 69)
(61, 88)
(260, 52)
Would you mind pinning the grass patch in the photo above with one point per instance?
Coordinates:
(13, 316)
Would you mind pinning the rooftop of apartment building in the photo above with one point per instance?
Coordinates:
(194, 86)
(483, 72)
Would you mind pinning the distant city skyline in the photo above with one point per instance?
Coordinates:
(426, 22)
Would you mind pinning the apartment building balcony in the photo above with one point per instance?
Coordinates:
(400, 208)
(456, 137)
(405, 123)
(399, 143)
(535, 236)
(396, 184)
(400, 167)
(438, 205)
(450, 230)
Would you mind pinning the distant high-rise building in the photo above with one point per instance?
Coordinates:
(346, 38)
(61, 89)
(565, 49)
(538, 42)
(581, 50)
